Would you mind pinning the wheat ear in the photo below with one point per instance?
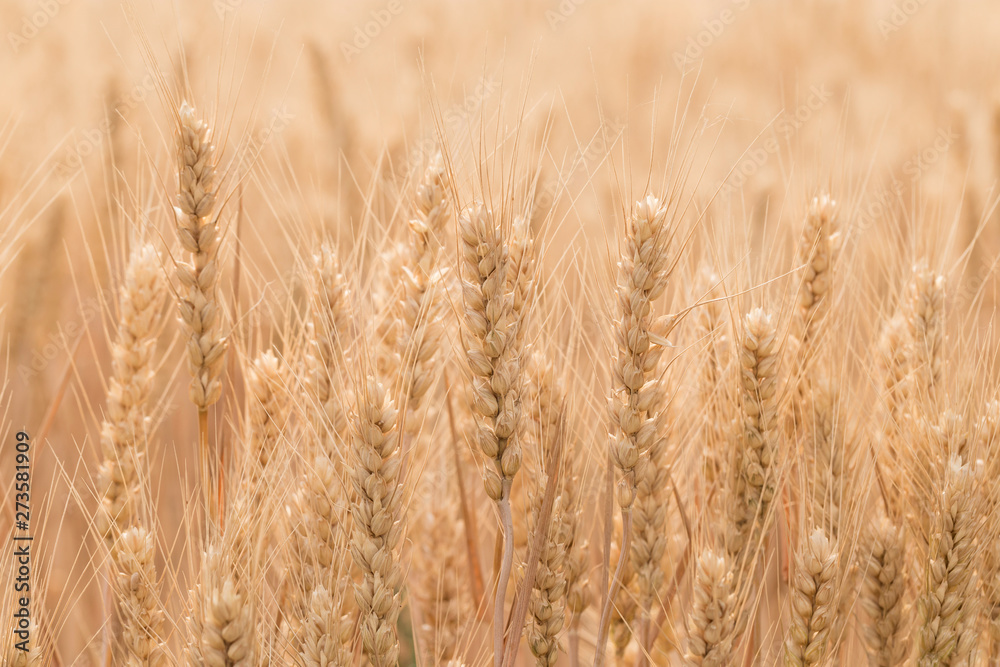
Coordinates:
(198, 232)
(882, 593)
(420, 309)
(710, 336)
(642, 278)
(15, 657)
(378, 528)
(222, 632)
(649, 525)
(826, 453)
(755, 483)
(490, 336)
(124, 431)
(548, 597)
(713, 616)
(813, 601)
(817, 252)
(317, 545)
(326, 632)
(268, 412)
(328, 331)
(989, 438)
(437, 573)
(135, 584)
(925, 319)
(947, 605)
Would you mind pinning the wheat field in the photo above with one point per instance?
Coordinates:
(554, 332)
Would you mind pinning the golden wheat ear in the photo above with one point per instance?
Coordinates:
(883, 591)
(135, 584)
(813, 600)
(377, 514)
(948, 603)
(713, 615)
(197, 226)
